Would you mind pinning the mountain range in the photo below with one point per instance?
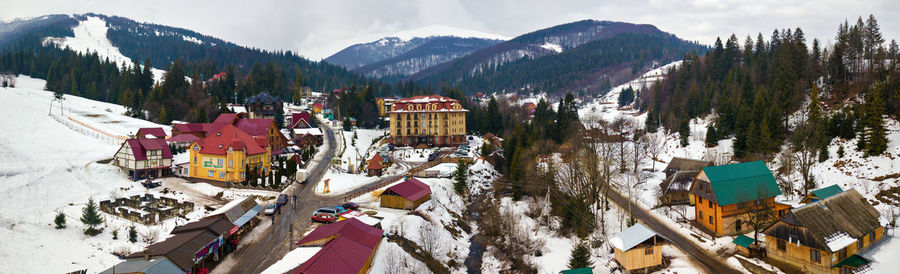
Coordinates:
(586, 55)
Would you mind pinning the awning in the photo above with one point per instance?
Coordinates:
(743, 241)
(248, 215)
(854, 261)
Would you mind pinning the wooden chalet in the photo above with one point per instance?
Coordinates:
(406, 195)
(821, 194)
(263, 106)
(723, 194)
(676, 188)
(826, 236)
(638, 248)
(348, 246)
(685, 164)
(144, 157)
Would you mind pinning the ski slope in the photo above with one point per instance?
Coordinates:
(45, 168)
(90, 36)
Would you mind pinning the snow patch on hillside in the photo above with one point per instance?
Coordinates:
(553, 47)
(90, 36)
(443, 30)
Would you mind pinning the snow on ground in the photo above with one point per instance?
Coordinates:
(442, 30)
(440, 209)
(47, 167)
(391, 258)
(292, 260)
(551, 46)
(884, 254)
(90, 36)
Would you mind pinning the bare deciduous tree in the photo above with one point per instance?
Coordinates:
(150, 235)
(656, 144)
(430, 238)
(757, 213)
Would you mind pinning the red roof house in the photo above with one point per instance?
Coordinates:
(348, 246)
(142, 158)
(219, 141)
(150, 132)
(300, 120)
(406, 195)
(374, 167)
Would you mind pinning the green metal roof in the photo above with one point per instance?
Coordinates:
(735, 183)
(825, 192)
(854, 261)
(742, 240)
(583, 270)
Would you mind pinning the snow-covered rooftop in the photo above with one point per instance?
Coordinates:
(634, 235)
(839, 240)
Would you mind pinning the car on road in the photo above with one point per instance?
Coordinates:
(434, 155)
(325, 215)
(350, 205)
(270, 209)
(282, 199)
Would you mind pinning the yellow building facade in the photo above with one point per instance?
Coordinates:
(431, 120)
(226, 155)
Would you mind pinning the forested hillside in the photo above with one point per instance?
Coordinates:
(756, 88)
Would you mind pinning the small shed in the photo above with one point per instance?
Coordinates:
(406, 195)
(743, 244)
(676, 188)
(638, 247)
(821, 194)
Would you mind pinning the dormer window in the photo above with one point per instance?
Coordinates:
(220, 146)
(230, 149)
(219, 133)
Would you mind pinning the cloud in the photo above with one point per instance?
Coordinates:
(317, 29)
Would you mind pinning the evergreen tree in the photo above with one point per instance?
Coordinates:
(460, 176)
(580, 257)
(684, 130)
(626, 96)
(876, 135)
(712, 137)
(90, 216)
(132, 234)
(60, 220)
(115, 234)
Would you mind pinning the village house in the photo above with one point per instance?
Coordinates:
(263, 106)
(406, 195)
(637, 248)
(264, 128)
(227, 153)
(680, 173)
(304, 137)
(384, 105)
(374, 166)
(300, 120)
(348, 246)
(722, 194)
(189, 249)
(826, 236)
(821, 194)
(430, 120)
(145, 157)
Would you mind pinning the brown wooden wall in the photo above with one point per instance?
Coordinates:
(636, 258)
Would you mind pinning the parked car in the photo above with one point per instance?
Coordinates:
(433, 156)
(350, 205)
(270, 209)
(282, 199)
(325, 215)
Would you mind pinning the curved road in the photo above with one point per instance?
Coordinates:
(706, 262)
(256, 255)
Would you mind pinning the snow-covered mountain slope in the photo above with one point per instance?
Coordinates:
(90, 36)
(45, 168)
(444, 30)
(408, 52)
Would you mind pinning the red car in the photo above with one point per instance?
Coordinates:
(325, 215)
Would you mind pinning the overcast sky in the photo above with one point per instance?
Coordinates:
(317, 29)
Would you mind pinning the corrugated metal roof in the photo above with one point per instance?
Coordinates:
(354, 242)
(825, 192)
(155, 265)
(632, 236)
(741, 182)
(411, 189)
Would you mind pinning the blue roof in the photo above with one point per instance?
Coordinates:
(248, 216)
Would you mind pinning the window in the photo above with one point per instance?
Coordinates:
(872, 237)
(699, 199)
(700, 215)
(221, 162)
(782, 245)
(710, 220)
(243, 175)
(709, 203)
(196, 148)
(195, 160)
(737, 224)
(815, 255)
(221, 174)
(230, 163)
(648, 251)
(211, 173)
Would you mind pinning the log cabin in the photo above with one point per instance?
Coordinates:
(826, 236)
(637, 248)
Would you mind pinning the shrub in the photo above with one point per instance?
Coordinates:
(60, 220)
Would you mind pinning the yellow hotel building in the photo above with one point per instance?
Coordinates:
(432, 120)
(225, 154)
